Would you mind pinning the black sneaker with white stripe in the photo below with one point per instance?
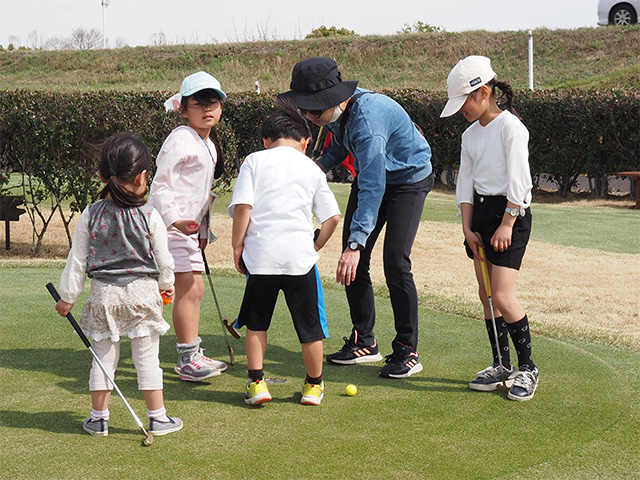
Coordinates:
(402, 363)
(351, 353)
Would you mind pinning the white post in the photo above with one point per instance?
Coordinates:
(105, 4)
(530, 60)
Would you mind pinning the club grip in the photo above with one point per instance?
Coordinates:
(204, 259)
(56, 296)
(485, 270)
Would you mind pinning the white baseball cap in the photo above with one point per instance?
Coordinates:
(193, 84)
(468, 75)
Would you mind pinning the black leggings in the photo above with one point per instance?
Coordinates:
(401, 211)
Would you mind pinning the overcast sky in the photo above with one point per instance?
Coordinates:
(138, 22)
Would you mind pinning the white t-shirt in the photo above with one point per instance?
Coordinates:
(284, 188)
(495, 161)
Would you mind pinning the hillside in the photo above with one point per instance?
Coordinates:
(592, 57)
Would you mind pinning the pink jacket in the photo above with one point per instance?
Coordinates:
(182, 184)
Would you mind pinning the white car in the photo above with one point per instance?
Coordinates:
(618, 12)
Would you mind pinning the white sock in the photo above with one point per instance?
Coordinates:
(160, 414)
(99, 414)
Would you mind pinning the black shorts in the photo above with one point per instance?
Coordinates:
(304, 297)
(487, 217)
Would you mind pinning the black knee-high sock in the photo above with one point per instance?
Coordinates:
(503, 341)
(521, 337)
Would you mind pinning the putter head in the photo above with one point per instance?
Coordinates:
(231, 329)
(503, 386)
(148, 440)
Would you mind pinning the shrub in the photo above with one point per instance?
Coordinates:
(52, 139)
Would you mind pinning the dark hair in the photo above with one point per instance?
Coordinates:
(204, 97)
(286, 122)
(507, 93)
(124, 155)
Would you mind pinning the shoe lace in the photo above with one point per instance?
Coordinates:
(524, 380)
(396, 357)
(489, 372)
(348, 346)
(203, 356)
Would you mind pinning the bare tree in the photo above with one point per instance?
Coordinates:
(83, 39)
(55, 43)
(34, 40)
(121, 42)
(158, 39)
(14, 41)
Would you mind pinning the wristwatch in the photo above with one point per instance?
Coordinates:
(355, 246)
(514, 212)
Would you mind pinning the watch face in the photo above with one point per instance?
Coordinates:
(354, 245)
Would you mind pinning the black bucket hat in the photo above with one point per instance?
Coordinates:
(316, 84)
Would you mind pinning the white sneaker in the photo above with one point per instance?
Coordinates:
(217, 364)
(192, 368)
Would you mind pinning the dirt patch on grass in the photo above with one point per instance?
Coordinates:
(566, 291)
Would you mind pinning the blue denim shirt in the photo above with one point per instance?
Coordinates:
(388, 150)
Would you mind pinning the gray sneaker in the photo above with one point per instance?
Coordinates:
(217, 364)
(487, 380)
(192, 366)
(158, 428)
(524, 385)
(97, 428)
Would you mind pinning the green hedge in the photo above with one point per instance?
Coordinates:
(572, 132)
(52, 139)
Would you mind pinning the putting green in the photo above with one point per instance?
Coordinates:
(582, 422)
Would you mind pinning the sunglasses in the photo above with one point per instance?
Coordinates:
(313, 113)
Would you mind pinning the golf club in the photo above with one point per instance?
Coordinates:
(316, 149)
(226, 326)
(487, 288)
(148, 440)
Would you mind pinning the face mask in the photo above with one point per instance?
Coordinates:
(336, 114)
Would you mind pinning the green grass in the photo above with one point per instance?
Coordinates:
(590, 57)
(607, 228)
(582, 423)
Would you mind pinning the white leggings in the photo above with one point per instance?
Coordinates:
(145, 353)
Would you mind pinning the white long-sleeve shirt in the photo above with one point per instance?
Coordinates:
(181, 186)
(75, 272)
(495, 161)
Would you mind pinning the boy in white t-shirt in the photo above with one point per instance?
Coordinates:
(277, 192)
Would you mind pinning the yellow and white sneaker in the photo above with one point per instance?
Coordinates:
(256, 393)
(312, 394)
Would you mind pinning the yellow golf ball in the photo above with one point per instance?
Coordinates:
(351, 390)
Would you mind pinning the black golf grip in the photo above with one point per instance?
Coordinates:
(72, 321)
(204, 259)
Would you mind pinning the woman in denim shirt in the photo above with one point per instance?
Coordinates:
(392, 162)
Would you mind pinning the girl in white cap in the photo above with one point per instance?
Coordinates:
(188, 162)
(493, 193)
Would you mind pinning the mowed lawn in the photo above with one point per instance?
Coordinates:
(583, 422)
